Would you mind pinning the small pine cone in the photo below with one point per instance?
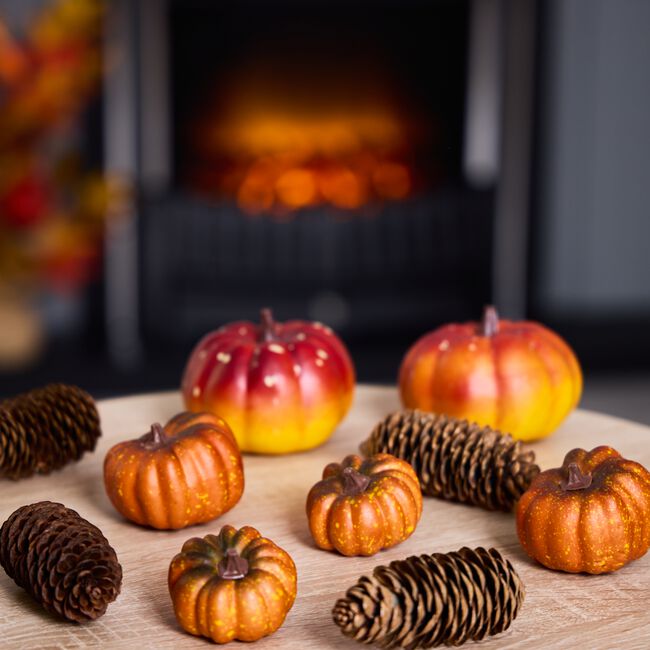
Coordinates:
(457, 460)
(63, 561)
(46, 428)
(430, 600)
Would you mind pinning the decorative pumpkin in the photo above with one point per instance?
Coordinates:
(363, 506)
(187, 472)
(235, 585)
(517, 377)
(591, 515)
(282, 387)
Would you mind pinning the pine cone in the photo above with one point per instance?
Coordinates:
(63, 561)
(457, 460)
(430, 600)
(46, 428)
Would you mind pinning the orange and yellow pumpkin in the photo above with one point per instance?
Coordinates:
(592, 515)
(363, 506)
(515, 376)
(234, 585)
(187, 472)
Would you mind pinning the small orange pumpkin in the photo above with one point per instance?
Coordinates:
(592, 515)
(363, 506)
(235, 585)
(187, 472)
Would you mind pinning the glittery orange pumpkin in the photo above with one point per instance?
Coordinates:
(187, 472)
(363, 506)
(234, 585)
(592, 515)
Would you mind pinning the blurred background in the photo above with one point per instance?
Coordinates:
(386, 167)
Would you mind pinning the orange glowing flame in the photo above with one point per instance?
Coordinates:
(279, 161)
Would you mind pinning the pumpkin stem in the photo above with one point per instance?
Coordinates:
(490, 321)
(267, 325)
(233, 566)
(154, 439)
(354, 482)
(576, 479)
(156, 432)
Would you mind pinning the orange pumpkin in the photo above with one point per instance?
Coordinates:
(235, 585)
(363, 506)
(187, 472)
(518, 376)
(591, 515)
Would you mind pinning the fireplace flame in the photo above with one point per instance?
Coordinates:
(282, 162)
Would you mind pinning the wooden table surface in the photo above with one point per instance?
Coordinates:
(560, 610)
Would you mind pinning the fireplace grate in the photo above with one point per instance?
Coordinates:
(395, 268)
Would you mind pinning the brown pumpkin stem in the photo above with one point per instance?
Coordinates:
(267, 325)
(354, 482)
(154, 438)
(233, 566)
(576, 479)
(490, 321)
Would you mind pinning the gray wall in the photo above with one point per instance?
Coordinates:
(18, 13)
(596, 165)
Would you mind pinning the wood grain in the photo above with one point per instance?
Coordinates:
(560, 611)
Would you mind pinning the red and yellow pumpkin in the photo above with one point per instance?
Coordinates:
(234, 585)
(187, 472)
(515, 376)
(282, 387)
(591, 515)
(363, 506)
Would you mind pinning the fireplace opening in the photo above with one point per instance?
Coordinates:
(277, 157)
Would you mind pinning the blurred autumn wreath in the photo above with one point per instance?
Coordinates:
(52, 207)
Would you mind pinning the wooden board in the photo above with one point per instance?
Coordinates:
(560, 610)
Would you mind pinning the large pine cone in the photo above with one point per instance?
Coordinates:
(63, 561)
(457, 460)
(430, 600)
(46, 428)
